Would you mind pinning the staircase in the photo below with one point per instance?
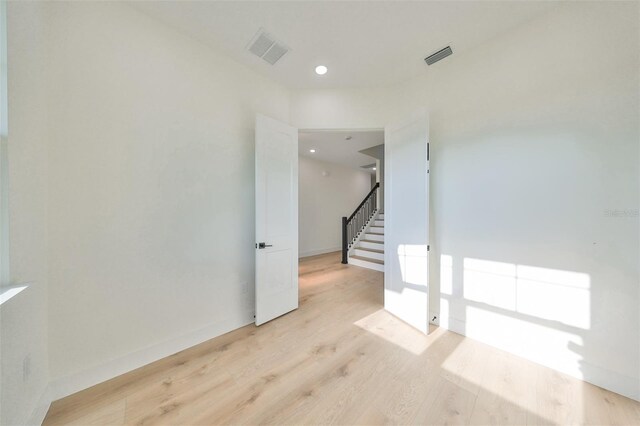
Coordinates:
(363, 234)
(368, 252)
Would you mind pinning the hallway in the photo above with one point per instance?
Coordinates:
(341, 359)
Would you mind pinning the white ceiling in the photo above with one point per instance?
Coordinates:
(331, 146)
(364, 44)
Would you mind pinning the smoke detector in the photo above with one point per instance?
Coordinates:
(266, 47)
(439, 55)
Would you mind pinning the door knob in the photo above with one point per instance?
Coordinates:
(264, 245)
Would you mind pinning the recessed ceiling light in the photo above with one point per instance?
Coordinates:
(374, 168)
(321, 70)
(312, 151)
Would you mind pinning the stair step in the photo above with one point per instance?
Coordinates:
(377, 245)
(370, 249)
(368, 253)
(365, 262)
(368, 259)
(374, 237)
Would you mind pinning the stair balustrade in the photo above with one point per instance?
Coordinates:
(355, 224)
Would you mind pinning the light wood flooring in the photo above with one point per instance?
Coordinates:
(341, 359)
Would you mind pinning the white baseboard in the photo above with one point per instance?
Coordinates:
(66, 386)
(615, 382)
(41, 408)
(318, 251)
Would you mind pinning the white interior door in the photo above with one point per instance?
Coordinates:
(406, 221)
(276, 219)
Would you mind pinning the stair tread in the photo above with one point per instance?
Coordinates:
(370, 249)
(368, 259)
(372, 241)
(375, 233)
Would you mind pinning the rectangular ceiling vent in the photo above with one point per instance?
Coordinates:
(266, 47)
(440, 54)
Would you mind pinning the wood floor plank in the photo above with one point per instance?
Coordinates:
(505, 397)
(341, 359)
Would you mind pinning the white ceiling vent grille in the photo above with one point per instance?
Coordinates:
(266, 47)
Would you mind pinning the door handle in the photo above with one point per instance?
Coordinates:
(263, 245)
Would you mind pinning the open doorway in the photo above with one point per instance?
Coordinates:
(341, 196)
(401, 238)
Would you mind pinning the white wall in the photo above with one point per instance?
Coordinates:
(23, 318)
(534, 139)
(347, 109)
(323, 200)
(151, 190)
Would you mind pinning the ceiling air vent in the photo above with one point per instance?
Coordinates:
(440, 54)
(266, 47)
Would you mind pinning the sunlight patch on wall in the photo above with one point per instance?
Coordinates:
(554, 295)
(538, 313)
(546, 345)
(445, 313)
(549, 294)
(493, 283)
